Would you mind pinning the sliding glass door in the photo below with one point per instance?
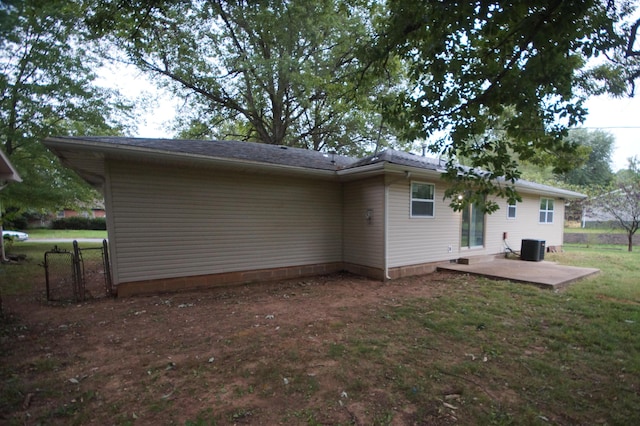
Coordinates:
(472, 226)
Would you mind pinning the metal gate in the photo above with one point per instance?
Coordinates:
(77, 275)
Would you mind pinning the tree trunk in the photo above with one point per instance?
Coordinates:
(630, 246)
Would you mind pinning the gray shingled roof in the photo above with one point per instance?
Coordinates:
(275, 154)
(247, 151)
(401, 158)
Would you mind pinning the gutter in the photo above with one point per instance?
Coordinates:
(109, 151)
(548, 190)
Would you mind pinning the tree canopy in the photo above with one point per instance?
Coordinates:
(490, 82)
(618, 73)
(596, 170)
(46, 87)
(470, 62)
(278, 72)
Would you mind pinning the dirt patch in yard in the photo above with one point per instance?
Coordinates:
(256, 354)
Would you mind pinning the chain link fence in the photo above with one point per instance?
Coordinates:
(81, 274)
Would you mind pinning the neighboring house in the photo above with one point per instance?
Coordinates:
(189, 214)
(93, 210)
(594, 215)
(44, 220)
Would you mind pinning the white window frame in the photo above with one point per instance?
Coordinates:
(511, 207)
(546, 211)
(432, 201)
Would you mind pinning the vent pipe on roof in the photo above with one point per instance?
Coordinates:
(333, 157)
(424, 150)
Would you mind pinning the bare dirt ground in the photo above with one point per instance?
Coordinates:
(255, 354)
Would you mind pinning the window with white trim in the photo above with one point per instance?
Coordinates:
(422, 199)
(546, 210)
(511, 211)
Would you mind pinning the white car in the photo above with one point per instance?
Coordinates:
(15, 235)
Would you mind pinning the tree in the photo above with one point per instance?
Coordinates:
(470, 61)
(278, 72)
(621, 201)
(628, 174)
(596, 170)
(46, 87)
(618, 73)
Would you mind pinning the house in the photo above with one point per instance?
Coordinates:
(90, 210)
(188, 214)
(611, 209)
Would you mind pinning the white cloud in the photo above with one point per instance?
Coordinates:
(621, 118)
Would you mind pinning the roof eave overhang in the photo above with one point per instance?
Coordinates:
(555, 192)
(94, 152)
(8, 173)
(384, 167)
(123, 153)
(410, 172)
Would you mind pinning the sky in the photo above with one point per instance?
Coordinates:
(620, 117)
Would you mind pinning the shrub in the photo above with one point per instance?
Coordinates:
(78, 222)
(19, 222)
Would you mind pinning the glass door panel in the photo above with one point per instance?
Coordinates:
(472, 226)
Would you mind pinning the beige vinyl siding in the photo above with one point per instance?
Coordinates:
(364, 239)
(526, 225)
(414, 241)
(417, 240)
(172, 222)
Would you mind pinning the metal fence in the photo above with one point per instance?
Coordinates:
(78, 275)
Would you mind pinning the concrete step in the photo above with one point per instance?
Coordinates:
(472, 260)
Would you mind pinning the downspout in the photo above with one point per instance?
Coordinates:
(3, 255)
(407, 176)
(386, 232)
(110, 220)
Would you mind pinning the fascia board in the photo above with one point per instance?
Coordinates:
(382, 168)
(107, 151)
(110, 152)
(10, 173)
(521, 186)
(361, 172)
(416, 172)
(549, 191)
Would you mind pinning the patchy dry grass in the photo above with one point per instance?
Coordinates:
(438, 349)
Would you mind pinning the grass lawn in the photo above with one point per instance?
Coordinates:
(64, 233)
(436, 349)
(27, 278)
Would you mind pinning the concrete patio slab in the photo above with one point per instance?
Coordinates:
(544, 274)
